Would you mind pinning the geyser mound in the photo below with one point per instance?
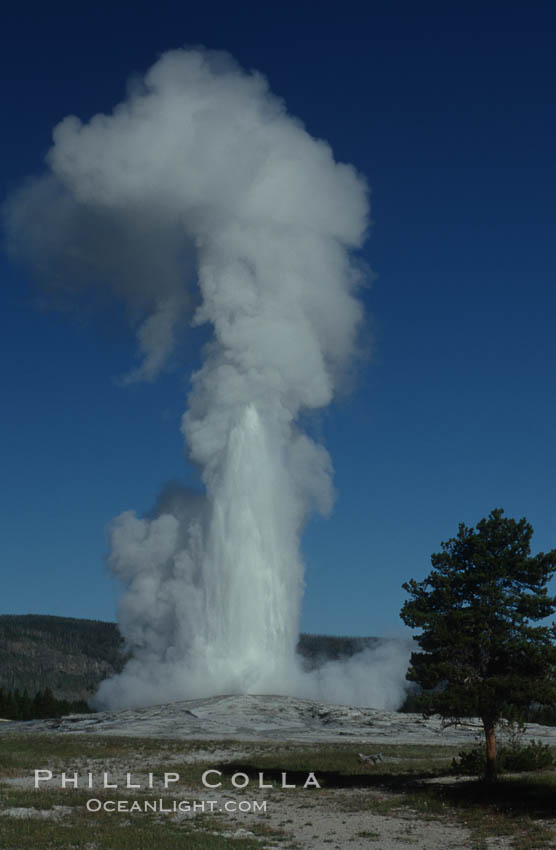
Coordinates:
(200, 199)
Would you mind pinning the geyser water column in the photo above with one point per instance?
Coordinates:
(261, 474)
(199, 199)
(251, 567)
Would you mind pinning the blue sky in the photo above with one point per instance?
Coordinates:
(448, 109)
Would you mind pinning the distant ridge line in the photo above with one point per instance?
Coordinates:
(72, 655)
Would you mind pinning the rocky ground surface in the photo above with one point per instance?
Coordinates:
(250, 717)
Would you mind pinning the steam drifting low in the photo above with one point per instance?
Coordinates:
(200, 200)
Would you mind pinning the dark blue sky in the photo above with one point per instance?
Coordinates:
(448, 109)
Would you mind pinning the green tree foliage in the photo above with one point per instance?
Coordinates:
(481, 654)
(15, 705)
(512, 758)
(69, 656)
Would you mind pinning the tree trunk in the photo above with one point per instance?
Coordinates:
(490, 738)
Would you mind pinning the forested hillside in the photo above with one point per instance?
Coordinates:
(67, 655)
(71, 656)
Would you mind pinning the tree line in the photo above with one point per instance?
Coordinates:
(18, 705)
(67, 634)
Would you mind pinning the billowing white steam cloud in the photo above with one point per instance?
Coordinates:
(201, 197)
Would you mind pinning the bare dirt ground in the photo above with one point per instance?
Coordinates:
(307, 819)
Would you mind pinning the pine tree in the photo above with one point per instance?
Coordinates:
(25, 706)
(481, 655)
(10, 706)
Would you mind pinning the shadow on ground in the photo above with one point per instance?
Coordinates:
(532, 796)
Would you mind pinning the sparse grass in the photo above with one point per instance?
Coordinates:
(339, 765)
(80, 753)
(513, 807)
(110, 831)
(106, 834)
(520, 807)
(27, 750)
(21, 754)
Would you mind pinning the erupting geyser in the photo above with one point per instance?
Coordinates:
(251, 569)
(200, 199)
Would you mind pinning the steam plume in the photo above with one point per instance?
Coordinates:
(200, 199)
